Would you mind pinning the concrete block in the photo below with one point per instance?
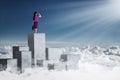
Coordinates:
(71, 58)
(40, 63)
(24, 48)
(64, 58)
(50, 66)
(36, 42)
(12, 65)
(3, 64)
(53, 53)
(24, 59)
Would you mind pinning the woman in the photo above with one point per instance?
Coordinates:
(36, 17)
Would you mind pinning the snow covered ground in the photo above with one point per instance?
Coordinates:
(96, 63)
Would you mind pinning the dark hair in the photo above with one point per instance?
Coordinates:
(34, 15)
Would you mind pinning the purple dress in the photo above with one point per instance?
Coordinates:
(35, 25)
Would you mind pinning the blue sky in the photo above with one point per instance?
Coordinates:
(77, 21)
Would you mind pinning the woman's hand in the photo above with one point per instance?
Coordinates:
(40, 15)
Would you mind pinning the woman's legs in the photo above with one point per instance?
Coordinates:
(35, 27)
(35, 30)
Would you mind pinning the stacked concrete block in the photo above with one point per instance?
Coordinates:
(23, 56)
(3, 64)
(12, 65)
(36, 42)
(53, 53)
(71, 60)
